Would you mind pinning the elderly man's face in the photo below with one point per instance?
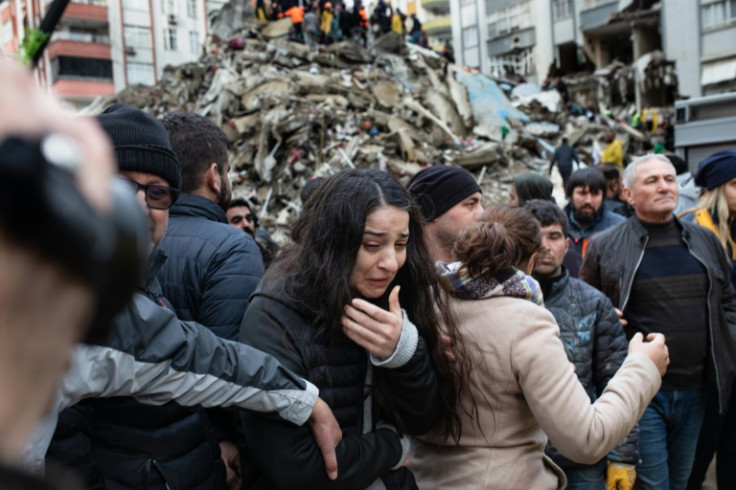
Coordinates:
(654, 193)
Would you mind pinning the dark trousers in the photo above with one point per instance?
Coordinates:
(718, 435)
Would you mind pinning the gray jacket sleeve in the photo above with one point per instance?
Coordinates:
(155, 358)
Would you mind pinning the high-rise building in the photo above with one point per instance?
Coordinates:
(512, 38)
(103, 46)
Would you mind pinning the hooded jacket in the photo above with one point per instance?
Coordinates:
(581, 235)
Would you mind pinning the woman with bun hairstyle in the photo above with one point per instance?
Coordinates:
(522, 383)
(355, 306)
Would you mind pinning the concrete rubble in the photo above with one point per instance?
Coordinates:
(291, 113)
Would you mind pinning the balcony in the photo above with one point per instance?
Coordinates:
(596, 14)
(82, 89)
(437, 6)
(78, 44)
(438, 26)
(509, 42)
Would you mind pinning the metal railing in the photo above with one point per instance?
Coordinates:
(82, 37)
(521, 64)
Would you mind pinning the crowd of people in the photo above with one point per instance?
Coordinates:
(409, 337)
(323, 23)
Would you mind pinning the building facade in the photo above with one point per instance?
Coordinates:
(534, 38)
(103, 46)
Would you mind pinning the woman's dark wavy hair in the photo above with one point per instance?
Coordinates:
(316, 270)
(503, 237)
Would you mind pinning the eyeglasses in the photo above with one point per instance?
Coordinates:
(157, 196)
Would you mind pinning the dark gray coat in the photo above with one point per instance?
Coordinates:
(595, 343)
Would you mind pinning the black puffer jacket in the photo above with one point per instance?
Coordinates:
(611, 263)
(594, 342)
(283, 456)
(212, 267)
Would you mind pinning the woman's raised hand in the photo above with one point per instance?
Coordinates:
(654, 348)
(373, 328)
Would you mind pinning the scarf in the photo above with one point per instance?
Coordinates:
(516, 284)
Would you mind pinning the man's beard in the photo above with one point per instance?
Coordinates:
(223, 198)
(586, 219)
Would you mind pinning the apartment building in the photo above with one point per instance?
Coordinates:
(512, 38)
(103, 46)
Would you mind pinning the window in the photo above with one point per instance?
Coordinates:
(75, 67)
(140, 73)
(470, 37)
(718, 14)
(192, 9)
(561, 9)
(170, 39)
(167, 6)
(136, 4)
(194, 45)
(137, 36)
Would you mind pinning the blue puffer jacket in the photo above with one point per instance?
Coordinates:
(595, 343)
(212, 267)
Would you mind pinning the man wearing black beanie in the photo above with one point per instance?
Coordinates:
(121, 442)
(450, 200)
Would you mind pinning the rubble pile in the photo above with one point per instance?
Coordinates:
(291, 113)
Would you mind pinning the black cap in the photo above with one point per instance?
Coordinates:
(141, 143)
(437, 189)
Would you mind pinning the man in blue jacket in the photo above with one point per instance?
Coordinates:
(586, 212)
(212, 268)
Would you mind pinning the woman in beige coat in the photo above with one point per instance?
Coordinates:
(523, 388)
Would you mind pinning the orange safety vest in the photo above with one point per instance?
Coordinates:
(296, 14)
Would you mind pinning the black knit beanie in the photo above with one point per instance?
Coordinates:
(141, 143)
(437, 189)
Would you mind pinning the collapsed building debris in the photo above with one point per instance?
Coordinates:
(291, 113)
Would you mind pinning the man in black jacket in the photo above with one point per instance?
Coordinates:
(119, 442)
(671, 277)
(594, 342)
